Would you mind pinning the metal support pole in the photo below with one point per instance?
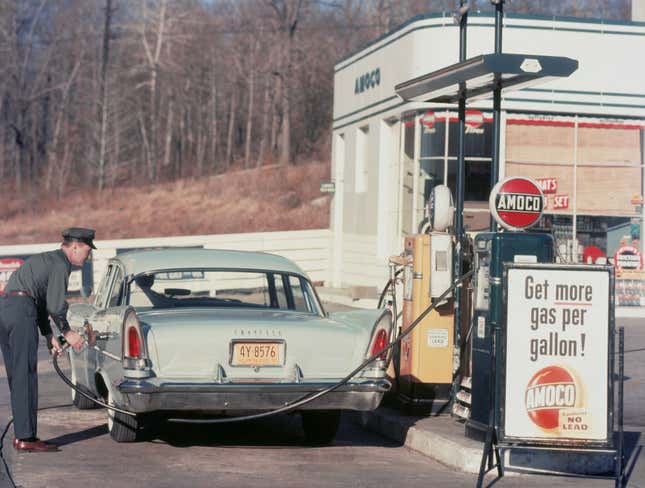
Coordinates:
(574, 217)
(621, 383)
(459, 204)
(642, 215)
(497, 105)
(490, 443)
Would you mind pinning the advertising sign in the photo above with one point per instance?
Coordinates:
(516, 203)
(7, 267)
(548, 185)
(560, 202)
(428, 121)
(474, 122)
(557, 373)
(628, 257)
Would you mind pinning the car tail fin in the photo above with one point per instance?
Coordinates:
(381, 334)
(135, 355)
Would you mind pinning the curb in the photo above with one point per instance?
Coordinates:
(442, 439)
(452, 449)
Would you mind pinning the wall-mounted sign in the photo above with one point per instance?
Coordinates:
(328, 187)
(557, 375)
(516, 202)
(628, 257)
(428, 121)
(474, 122)
(560, 202)
(548, 185)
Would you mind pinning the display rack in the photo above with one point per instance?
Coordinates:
(630, 288)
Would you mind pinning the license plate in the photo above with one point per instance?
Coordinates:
(257, 353)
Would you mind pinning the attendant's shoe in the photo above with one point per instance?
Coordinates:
(34, 446)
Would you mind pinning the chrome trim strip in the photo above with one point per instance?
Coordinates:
(146, 387)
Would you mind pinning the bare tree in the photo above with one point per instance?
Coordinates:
(287, 15)
(103, 102)
(96, 92)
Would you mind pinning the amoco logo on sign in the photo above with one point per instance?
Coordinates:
(549, 390)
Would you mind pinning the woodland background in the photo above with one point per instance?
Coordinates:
(98, 96)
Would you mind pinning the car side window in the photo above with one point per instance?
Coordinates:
(117, 288)
(104, 287)
(300, 302)
(280, 295)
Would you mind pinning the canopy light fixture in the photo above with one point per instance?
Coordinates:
(476, 77)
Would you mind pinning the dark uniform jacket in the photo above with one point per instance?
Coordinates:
(45, 277)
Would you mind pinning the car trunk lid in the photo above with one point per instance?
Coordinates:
(199, 344)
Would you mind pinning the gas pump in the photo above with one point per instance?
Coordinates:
(426, 355)
(516, 203)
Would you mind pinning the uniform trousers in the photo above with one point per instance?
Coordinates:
(19, 343)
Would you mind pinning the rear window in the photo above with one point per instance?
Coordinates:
(213, 288)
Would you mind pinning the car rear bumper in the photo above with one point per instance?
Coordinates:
(152, 395)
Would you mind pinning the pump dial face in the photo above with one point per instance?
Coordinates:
(516, 203)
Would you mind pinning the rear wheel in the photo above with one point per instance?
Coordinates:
(124, 428)
(320, 426)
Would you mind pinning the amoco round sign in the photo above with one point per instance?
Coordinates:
(516, 202)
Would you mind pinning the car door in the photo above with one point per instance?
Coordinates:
(108, 319)
(84, 363)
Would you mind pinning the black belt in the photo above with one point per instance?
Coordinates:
(18, 293)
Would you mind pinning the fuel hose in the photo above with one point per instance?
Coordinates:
(305, 399)
(78, 390)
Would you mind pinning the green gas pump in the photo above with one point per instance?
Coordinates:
(515, 203)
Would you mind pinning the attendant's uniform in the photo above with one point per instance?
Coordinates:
(35, 292)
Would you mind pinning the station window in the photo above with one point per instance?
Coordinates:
(590, 169)
(361, 174)
(440, 149)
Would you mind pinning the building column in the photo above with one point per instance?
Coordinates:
(338, 172)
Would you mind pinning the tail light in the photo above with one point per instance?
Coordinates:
(135, 355)
(134, 343)
(380, 342)
(380, 335)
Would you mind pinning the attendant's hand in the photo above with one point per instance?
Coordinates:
(74, 340)
(54, 346)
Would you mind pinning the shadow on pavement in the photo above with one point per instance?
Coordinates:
(275, 432)
(83, 435)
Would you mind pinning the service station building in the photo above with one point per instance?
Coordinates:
(582, 138)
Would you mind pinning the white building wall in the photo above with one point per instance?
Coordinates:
(337, 207)
(388, 188)
(356, 251)
(638, 10)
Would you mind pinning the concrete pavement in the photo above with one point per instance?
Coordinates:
(268, 453)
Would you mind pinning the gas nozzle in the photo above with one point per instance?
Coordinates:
(90, 335)
(64, 345)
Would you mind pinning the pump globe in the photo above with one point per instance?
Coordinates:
(442, 208)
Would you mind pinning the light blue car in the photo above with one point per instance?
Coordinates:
(205, 333)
